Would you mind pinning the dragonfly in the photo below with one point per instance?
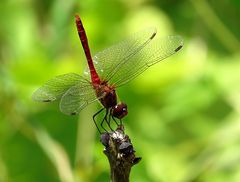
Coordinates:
(107, 71)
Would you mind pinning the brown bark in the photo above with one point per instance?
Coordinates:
(120, 153)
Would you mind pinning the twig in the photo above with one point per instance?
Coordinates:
(120, 153)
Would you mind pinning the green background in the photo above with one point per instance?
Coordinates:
(184, 113)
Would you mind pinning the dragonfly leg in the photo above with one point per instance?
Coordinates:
(108, 119)
(115, 120)
(104, 119)
(96, 122)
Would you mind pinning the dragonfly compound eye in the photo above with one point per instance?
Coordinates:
(120, 110)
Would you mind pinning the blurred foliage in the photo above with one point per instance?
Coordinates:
(184, 114)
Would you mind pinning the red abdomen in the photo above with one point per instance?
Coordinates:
(83, 37)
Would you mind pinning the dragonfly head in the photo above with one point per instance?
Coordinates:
(120, 110)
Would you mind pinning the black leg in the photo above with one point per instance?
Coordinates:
(113, 117)
(104, 119)
(95, 120)
(115, 120)
(107, 119)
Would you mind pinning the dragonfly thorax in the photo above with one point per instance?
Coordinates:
(108, 98)
(107, 95)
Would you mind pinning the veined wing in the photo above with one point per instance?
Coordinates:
(157, 50)
(108, 61)
(77, 98)
(54, 88)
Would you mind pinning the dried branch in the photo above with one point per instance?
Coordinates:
(120, 153)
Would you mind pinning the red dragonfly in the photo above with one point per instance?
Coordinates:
(107, 70)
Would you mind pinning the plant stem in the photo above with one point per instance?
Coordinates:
(120, 153)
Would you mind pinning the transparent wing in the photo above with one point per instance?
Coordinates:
(157, 50)
(77, 97)
(54, 89)
(109, 60)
